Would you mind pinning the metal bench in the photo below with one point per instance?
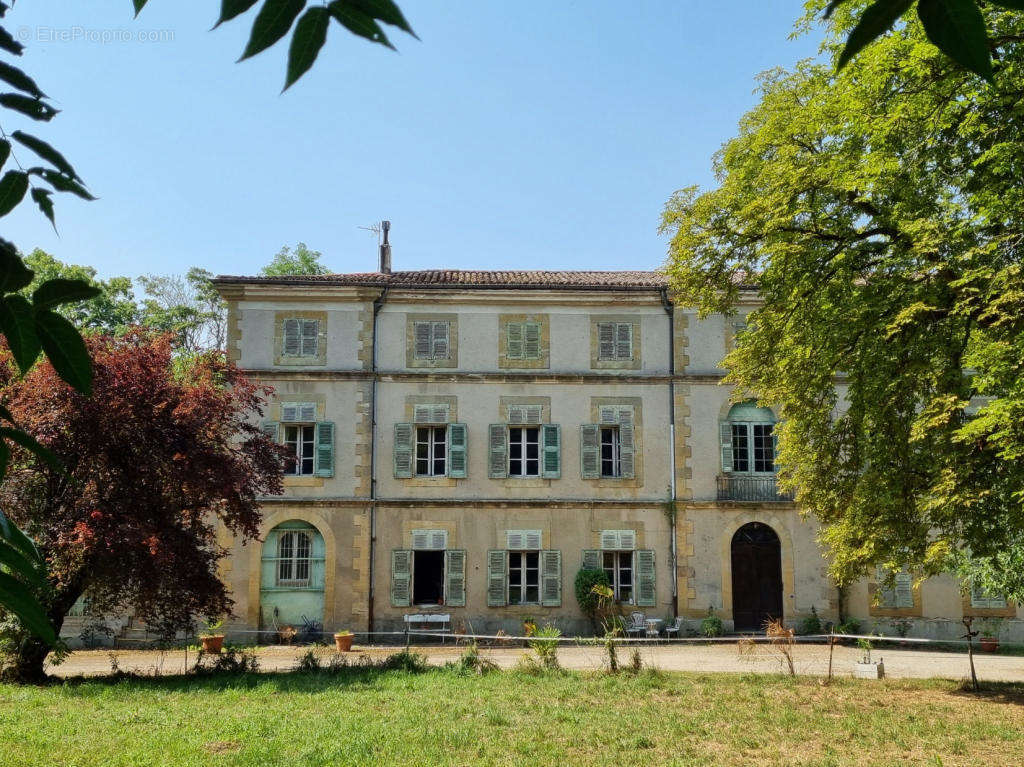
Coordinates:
(429, 623)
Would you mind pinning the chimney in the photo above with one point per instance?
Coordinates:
(385, 249)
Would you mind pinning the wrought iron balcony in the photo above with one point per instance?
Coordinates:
(743, 487)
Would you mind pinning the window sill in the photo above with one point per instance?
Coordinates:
(520, 482)
(429, 482)
(303, 481)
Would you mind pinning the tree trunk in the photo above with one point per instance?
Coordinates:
(27, 665)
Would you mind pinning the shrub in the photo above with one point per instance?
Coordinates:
(405, 660)
(711, 626)
(312, 659)
(849, 626)
(470, 661)
(231, 661)
(811, 624)
(545, 644)
(587, 598)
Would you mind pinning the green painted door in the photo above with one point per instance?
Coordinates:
(292, 577)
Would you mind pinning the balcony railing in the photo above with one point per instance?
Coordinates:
(739, 487)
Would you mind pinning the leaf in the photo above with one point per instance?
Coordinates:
(272, 23)
(34, 108)
(29, 442)
(388, 12)
(1017, 5)
(310, 36)
(5, 459)
(139, 5)
(5, 151)
(15, 536)
(358, 23)
(957, 28)
(831, 8)
(21, 81)
(65, 349)
(8, 43)
(42, 199)
(13, 186)
(18, 323)
(16, 597)
(229, 9)
(62, 291)
(17, 563)
(876, 21)
(47, 152)
(14, 275)
(62, 183)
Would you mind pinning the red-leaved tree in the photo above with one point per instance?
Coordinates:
(161, 454)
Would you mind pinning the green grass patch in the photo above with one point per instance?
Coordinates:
(440, 717)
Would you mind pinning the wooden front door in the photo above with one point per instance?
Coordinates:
(756, 577)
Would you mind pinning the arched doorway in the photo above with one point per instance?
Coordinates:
(292, 577)
(756, 576)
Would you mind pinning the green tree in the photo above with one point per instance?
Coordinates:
(112, 311)
(302, 260)
(880, 212)
(187, 307)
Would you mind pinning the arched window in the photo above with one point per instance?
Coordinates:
(292, 576)
(294, 548)
(748, 440)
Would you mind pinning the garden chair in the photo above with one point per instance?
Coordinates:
(637, 625)
(674, 629)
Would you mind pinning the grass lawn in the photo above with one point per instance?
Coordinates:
(440, 717)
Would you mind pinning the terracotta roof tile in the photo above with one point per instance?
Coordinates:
(472, 279)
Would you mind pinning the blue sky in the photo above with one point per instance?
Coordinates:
(527, 135)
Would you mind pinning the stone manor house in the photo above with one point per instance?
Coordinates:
(466, 441)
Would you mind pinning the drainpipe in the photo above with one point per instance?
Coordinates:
(377, 304)
(670, 311)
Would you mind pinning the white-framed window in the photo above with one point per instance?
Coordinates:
(524, 577)
(431, 339)
(431, 451)
(300, 439)
(294, 552)
(748, 440)
(984, 600)
(615, 340)
(618, 566)
(522, 340)
(524, 451)
(611, 453)
(300, 337)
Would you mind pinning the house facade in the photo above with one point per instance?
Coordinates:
(465, 442)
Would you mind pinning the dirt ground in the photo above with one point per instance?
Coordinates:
(705, 658)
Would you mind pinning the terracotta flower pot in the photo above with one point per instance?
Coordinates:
(343, 642)
(990, 644)
(212, 643)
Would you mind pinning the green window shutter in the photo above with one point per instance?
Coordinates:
(904, 590)
(591, 559)
(325, 449)
(590, 451)
(725, 432)
(624, 340)
(270, 429)
(551, 445)
(514, 340)
(457, 455)
(291, 342)
(551, 578)
(497, 451)
(496, 578)
(421, 340)
(531, 341)
(646, 595)
(455, 574)
(606, 340)
(401, 577)
(403, 453)
(627, 462)
(440, 343)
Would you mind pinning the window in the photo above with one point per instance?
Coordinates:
(900, 595)
(748, 440)
(524, 577)
(429, 574)
(431, 340)
(309, 442)
(300, 441)
(524, 451)
(294, 549)
(431, 451)
(618, 566)
(523, 340)
(428, 578)
(610, 452)
(615, 340)
(984, 600)
(301, 338)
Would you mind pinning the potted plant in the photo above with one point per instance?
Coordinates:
(990, 635)
(865, 668)
(343, 641)
(213, 642)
